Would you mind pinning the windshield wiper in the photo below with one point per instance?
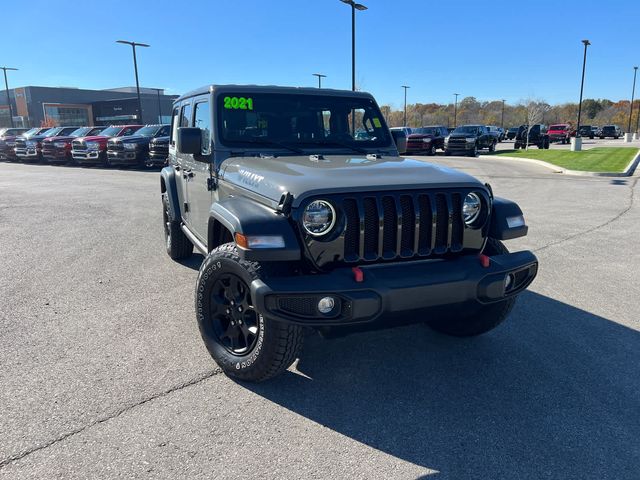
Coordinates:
(340, 144)
(262, 141)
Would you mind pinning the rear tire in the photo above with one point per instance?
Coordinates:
(244, 343)
(487, 317)
(177, 244)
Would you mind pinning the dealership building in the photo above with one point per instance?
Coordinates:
(35, 106)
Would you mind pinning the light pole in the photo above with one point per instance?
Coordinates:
(158, 90)
(320, 77)
(633, 92)
(6, 85)
(405, 104)
(135, 68)
(502, 120)
(584, 64)
(455, 111)
(354, 6)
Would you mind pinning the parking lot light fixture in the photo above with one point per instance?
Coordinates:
(135, 68)
(584, 64)
(405, 103)
(354, 6)
(455, 111)
(320, 77)
(6, 85)
(633, 93)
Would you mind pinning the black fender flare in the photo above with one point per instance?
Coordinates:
(507, 221)
(168, 185)
(249, 218)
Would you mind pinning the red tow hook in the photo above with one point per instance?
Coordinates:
(358, 274)
(485, 261)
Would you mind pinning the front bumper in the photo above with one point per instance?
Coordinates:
(27, 154)
(460, 147)
(123, 157)
(557, 138)
(56, 155)
(88, 156)
(413, 291)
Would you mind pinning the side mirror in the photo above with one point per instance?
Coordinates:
(189, 140)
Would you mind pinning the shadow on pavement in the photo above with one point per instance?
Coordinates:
(552, 393)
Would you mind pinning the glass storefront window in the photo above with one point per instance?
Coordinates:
(67, 115)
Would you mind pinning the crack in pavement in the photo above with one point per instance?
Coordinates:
(6, 461)
(597, 227)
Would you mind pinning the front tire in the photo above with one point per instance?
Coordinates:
(474, 152)
(486, 317)
(432, 150)
(176, 242)
(242, 341)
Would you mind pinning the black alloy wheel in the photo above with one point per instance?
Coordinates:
(233, 317)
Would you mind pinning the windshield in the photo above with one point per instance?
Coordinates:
(466, 129)
(424, 131)
(558, 127)
(149, 131)
(33, 131)
(110, 132)
(513, 129)
(80, 132)
(293, 120)
(53, 132)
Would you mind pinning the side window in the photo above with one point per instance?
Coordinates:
(164, 131)
(128, 131)
(202, 120)
(185, 116)
(174, 125)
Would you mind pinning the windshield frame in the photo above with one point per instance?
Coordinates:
(156, 129)
(117, 129)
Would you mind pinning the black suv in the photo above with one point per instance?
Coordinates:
(134, 149)
(537, 135)
(610, 131)
(306, 225)
(469, 139)
(586, 131)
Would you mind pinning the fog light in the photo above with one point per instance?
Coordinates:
(326, 304)
(508, 281)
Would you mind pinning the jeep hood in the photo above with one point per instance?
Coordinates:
(304, 176)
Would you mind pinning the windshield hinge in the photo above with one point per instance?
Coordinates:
(284, 206)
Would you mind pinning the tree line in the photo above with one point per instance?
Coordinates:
(472, 111)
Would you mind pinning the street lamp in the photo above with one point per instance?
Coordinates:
(633, 92)
(6, 85)
(320, 77)
(405, 104)
(455, 111)
(354, 6)
(584, 64)
(135, 68)
(502, 121)
(158, 90)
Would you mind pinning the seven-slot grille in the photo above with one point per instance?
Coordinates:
(388, 226)
(21, 143)
(79, 145)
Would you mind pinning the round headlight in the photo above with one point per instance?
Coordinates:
(318, 218)
(471, 208)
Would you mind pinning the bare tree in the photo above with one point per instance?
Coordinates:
(535, 112)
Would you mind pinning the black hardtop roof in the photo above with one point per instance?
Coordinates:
(272, 89)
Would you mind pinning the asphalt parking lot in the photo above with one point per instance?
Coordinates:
(104, 374)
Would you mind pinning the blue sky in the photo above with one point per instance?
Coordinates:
(486, 49)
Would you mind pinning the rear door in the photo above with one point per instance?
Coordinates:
(197, 171)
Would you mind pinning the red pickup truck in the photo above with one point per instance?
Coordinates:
(560, 132)
(93, 150)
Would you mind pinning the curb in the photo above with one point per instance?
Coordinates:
(628, 171)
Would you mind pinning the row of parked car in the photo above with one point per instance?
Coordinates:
(562, 132)
(465, 139)
(130, 145)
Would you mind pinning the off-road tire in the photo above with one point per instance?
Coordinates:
(277, 344)
(432, 151)
(487, 317)
(474, 152)
(177, 244)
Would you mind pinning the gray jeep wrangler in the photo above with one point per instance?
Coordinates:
(309, 219)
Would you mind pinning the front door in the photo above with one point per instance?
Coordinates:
(180, 165)
(197, 171)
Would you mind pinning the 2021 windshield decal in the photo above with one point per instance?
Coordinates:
(238, 103)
